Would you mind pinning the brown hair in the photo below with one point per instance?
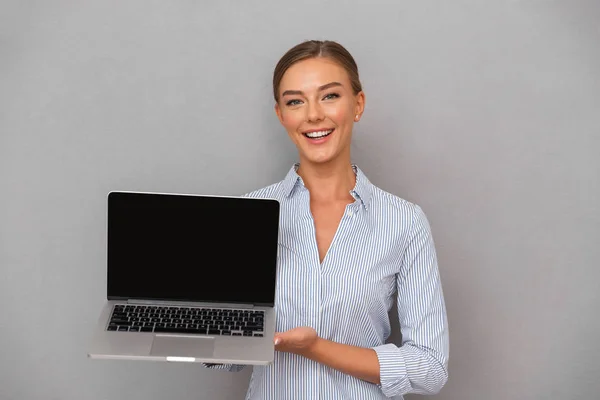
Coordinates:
(314, 49)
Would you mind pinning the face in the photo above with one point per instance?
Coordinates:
(318, 109)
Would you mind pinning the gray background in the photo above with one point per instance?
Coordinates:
(487, 114)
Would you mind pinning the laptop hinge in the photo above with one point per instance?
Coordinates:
(188, 303)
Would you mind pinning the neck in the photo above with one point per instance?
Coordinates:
(328, 182)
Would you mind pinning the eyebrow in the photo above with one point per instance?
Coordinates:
(321, 88)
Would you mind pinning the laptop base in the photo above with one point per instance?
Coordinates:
(176, 347)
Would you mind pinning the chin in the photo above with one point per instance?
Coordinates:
(319, 159)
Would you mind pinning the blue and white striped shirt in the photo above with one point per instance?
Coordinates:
(382, 252)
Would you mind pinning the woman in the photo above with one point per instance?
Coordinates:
(347, 251)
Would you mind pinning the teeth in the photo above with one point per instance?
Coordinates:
(318, 134)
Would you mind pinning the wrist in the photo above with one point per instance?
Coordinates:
(312, 350)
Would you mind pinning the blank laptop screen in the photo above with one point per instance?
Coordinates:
(192, 248)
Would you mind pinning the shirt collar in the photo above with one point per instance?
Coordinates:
(362, 189)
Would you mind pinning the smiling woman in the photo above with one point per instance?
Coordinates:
(348, 251)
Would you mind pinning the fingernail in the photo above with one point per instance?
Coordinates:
(277, 341)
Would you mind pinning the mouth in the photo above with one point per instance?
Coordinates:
(318, 134)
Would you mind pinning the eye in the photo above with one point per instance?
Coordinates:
(293, 102)
(331, 96)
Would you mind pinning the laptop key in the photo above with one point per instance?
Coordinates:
(166, 330)
(195, 330)
(146, 329)
(112, 328)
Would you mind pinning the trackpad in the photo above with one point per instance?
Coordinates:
(183, 346)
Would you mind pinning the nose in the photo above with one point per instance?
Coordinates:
(314, 112)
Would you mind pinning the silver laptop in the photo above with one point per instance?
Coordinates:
(190, 278)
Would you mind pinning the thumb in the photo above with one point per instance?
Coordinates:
(277, 339)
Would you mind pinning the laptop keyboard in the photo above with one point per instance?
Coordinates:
(195, 320)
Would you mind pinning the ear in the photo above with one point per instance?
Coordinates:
(278, 112)
(360, 104)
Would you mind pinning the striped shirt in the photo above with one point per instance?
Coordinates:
(382, 252)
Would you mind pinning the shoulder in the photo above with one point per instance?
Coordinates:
(278, 190)
(273, 191)
(395, 204)
(381, 202)
(408, 216)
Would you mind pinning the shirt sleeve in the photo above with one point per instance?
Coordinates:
(420, 364)
(227, 367)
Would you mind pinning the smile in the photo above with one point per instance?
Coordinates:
(318, 134)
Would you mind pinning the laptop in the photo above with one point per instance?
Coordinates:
(190, 278)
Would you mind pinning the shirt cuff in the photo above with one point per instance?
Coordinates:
(392, 370)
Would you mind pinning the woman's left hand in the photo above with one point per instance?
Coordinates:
(298, 340)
